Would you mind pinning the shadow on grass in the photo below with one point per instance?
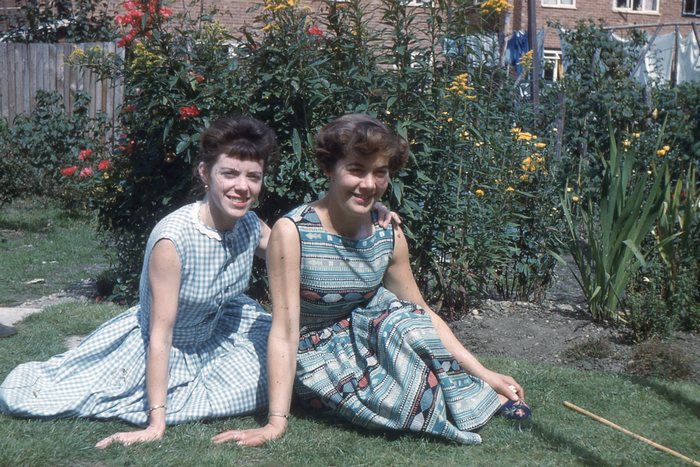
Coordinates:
(671, 395)
(559, 442)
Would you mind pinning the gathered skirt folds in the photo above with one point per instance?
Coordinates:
(384, 367)
(105, 376)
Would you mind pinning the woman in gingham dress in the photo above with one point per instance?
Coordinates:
(194, 346)
(351, 332)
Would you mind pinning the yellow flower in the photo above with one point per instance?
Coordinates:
(637, 135)
(464, 134)
(540, 145)
(460, 87)
(524, 177)
(479, 192)
(478, 144)
(515, 130)
(449, 120)
(661, 152)
(666, 148)
(524, 136)
(575, 199)
(526, 59)
(510, 189)
(627, 143)
(569, 189)
(77, 53)
(494, 6)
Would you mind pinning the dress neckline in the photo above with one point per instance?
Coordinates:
(375, 226)
(204, 229)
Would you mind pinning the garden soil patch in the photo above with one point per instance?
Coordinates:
(559, 331)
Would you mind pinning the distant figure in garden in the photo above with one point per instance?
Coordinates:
(351, 333)
(194, 347)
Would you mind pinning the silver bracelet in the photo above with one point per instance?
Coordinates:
(162, 406)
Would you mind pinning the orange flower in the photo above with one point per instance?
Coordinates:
(189, 111)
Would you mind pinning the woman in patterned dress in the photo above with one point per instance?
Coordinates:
(351, 332)
(194, 346)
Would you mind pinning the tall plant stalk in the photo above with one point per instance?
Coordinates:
(605, 238)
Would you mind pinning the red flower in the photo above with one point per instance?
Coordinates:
(314, 31)
(69, 171)
(86, 172)
(103, 165)
(128, 108)
(199, 78)
(165, 12)
(84, 154)
(188, 112)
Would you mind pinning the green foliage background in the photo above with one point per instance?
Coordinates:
(484, 194)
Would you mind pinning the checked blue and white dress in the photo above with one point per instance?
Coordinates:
(368, 357)
(217, 364)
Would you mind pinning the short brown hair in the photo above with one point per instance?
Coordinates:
(359, 134)
(243, 137)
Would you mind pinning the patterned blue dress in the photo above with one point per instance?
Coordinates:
(217, 364)
(368, 357)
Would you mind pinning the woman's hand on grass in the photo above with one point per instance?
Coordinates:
(504, 385)
(252, 437)
(128, 438)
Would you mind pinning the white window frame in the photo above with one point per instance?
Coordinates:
(558, 4)
(554, 57)
(696, 8)
(629, 7)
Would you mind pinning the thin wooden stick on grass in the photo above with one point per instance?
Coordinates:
(658, 446)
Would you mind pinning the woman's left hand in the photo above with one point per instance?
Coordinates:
(504, 385)
(386, 216)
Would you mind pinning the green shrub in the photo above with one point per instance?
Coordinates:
(476, 227)
(47, 142)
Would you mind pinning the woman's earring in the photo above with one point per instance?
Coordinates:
(206, 187)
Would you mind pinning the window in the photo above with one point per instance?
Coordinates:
(559, 3)
(691, 7)
(637, 6)
(553, 68)
(417, 2)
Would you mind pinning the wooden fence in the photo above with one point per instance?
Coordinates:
(27, 68)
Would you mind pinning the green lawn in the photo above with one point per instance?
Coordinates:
(41, 244)
(667, 412)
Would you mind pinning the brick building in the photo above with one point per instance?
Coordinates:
(672, 15)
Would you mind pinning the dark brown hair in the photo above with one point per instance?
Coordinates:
(362, 135)
(242, 137)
